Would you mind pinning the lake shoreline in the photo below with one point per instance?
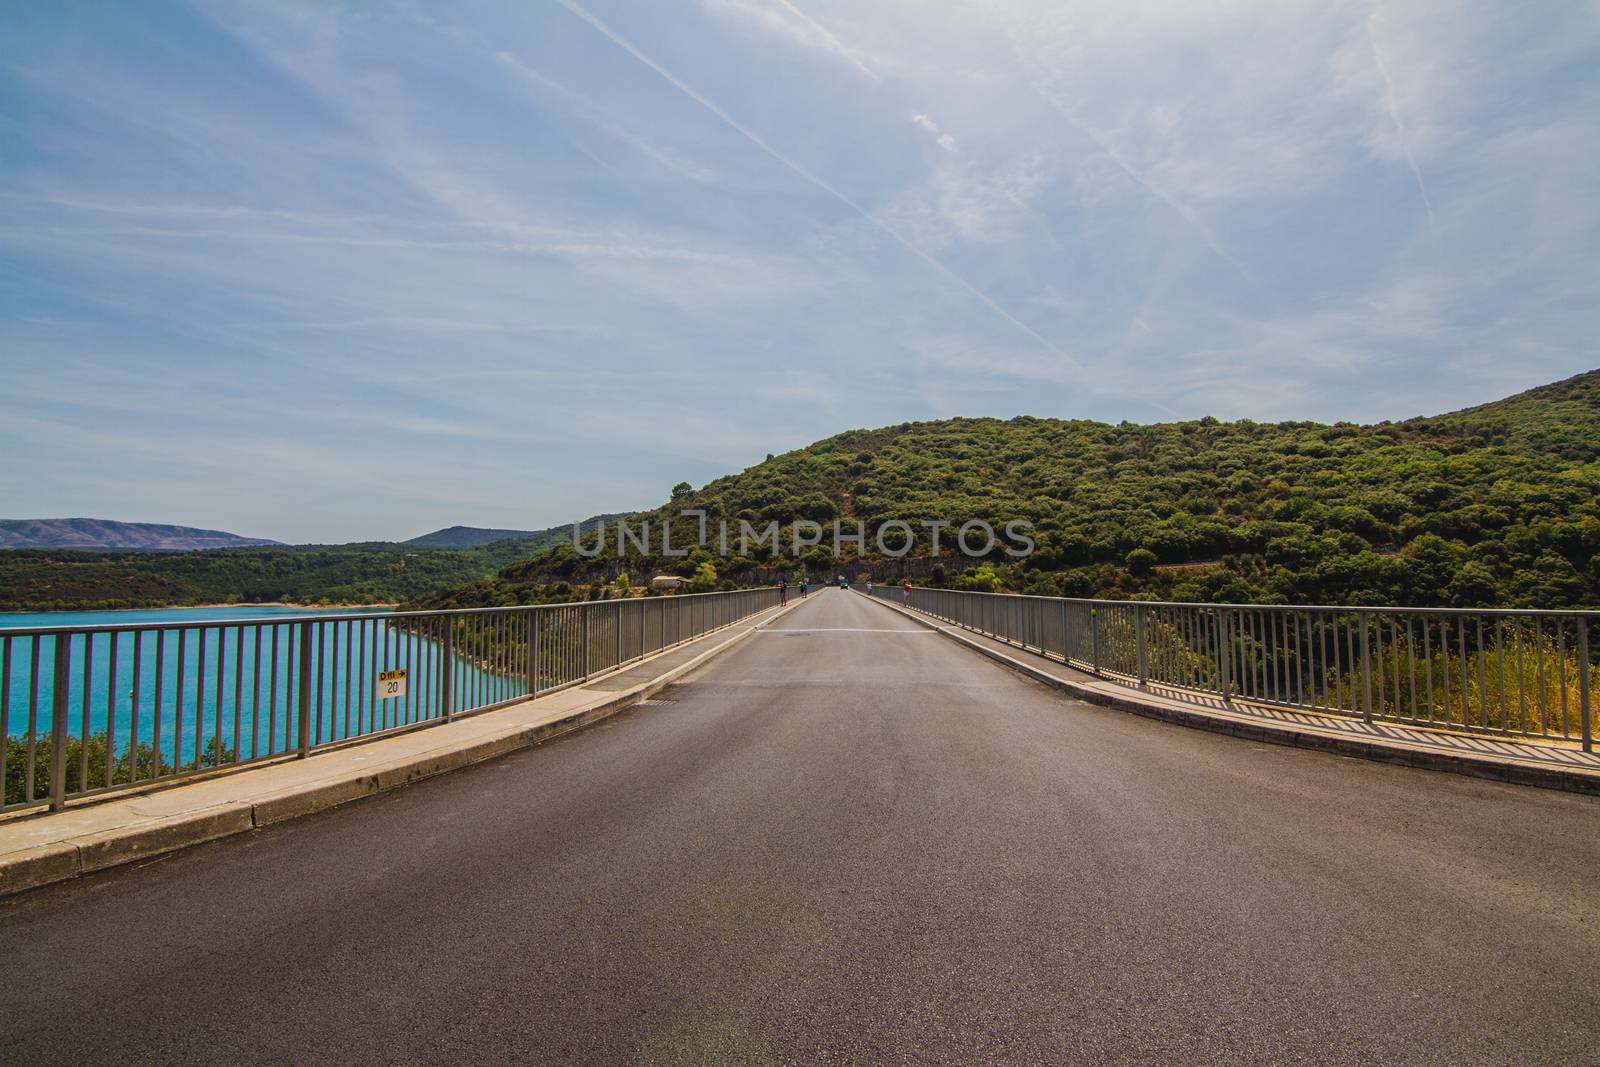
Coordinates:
(208, 607)
(281, 604)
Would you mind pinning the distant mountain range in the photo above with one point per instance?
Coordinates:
(468, 537)
(113, 536)
(133, 565)
(117, 536)
(474, 536)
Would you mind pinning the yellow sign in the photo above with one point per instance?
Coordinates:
(391, 684)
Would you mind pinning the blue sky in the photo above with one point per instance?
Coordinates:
(329, 272)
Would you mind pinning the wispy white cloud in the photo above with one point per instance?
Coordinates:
(962, 203)
(943, 140)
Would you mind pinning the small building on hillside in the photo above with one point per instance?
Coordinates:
(663, 583)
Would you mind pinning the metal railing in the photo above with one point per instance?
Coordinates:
(84, 709)
(1523, 673)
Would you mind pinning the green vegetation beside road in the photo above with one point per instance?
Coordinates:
(85, 764)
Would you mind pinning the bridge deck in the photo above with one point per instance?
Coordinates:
(847, 841)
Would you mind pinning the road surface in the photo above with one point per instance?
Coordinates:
(847, 841)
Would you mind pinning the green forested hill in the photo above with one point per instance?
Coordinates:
(477, 536)
(1495, 504)
(466, 537)
(1562, 418)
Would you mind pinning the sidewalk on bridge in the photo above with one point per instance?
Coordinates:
(39, 848)
(1549, 765)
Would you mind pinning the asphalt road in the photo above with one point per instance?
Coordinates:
(848, 841)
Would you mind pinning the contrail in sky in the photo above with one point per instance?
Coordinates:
(1394, 115)
(833, 41)
(755, 139)
(1183, 210)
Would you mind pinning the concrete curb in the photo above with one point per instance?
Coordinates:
(59, 861)
(1378, 750)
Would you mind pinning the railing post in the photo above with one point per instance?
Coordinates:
(533, 653)
(1225, 654)
(1138, 637)
(447, 688)
(303, 703)
(586, 613)
(1366, 671)
(1585, 714)
(58, 720)
(1094, 639)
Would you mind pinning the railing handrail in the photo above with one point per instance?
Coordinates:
(1387, 609)
(342, 616)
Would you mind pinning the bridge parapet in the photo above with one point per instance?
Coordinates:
(86, 709)
(1505, 672)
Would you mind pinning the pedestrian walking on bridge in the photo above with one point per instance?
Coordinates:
(783, 591)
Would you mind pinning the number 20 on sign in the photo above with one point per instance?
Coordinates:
(391, 684)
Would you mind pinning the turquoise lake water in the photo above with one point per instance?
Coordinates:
(141, 616)
(183, 692)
